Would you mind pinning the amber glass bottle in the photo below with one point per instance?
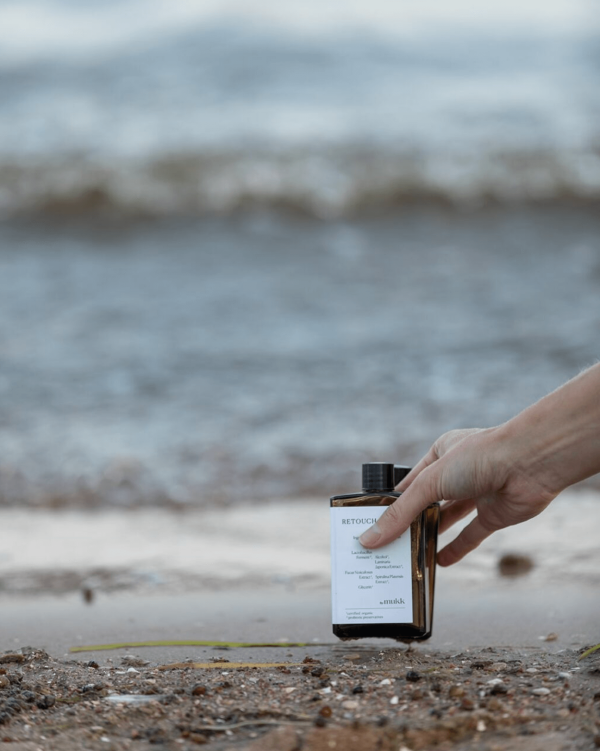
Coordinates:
(386, 592)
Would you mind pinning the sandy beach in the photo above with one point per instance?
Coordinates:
(502, 670)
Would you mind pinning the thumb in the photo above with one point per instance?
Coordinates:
(397, 518)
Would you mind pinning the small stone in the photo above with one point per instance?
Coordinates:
(12, 657)
(197, 738)
(416, 695)
(597, 696)
(495, 682)
(46, 701)
(549, 637)
(498, 690)
(467, 704)
(412, 676)
(350, 704)
(352, 656)
(481, 726)
(326, 711)
(385, 682)
(320, 722)
(198, 690)
(317, 672)
(597, 741)
(394, 700)
(92, 664)
(480, 664)
(456, 692)
(4, 682)
(514, 564)
(541, 691)
(289, 689)
(28, 696)
(358, 690)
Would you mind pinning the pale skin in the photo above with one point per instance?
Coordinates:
(508, 474)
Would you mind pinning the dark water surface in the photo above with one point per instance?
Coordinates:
(268, 356)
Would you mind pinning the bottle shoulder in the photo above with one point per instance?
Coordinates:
(365, 499)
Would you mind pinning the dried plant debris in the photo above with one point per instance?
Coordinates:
(389, 699)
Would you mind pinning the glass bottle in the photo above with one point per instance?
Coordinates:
(387, 592)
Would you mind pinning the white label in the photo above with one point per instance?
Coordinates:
(368, 586)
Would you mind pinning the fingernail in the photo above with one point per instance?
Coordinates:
(371, 536)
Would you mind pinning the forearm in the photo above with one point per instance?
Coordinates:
(557, 440)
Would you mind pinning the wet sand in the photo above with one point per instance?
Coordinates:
(261, 573)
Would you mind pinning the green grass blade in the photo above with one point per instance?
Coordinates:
(589, 651)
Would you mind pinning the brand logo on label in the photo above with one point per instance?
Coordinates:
(395, 601)
(359, 521)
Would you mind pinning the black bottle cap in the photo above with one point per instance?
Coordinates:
(400, 472)
(378, 476)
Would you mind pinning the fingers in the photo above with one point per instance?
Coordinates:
(398, 517)
(407, 481)
(471, 537)
(454, 511)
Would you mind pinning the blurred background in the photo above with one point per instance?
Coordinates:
(246, 246)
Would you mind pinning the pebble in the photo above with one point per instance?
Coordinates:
(350, 704)
(12, 658)
(326, 711)
(412, 676)
(456, 691)
(4, 682)
(549, 637)
(541, 691)
(358, 690)
(385, 682)
(495, 682)
(514, 564)
(198, 690)
(46, 701)
(498, 689)
(394, 700)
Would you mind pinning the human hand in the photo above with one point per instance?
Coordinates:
(467, 469)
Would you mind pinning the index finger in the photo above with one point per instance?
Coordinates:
(429, 458)
(397, 518)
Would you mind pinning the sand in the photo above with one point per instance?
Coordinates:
(502, 670)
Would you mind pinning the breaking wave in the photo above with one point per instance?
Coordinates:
(326, 183)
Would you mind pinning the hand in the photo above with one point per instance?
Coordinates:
(468, 469)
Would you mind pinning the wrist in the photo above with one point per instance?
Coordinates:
(556, 442)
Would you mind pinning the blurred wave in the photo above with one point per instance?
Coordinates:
(328, 108)
(331, 183)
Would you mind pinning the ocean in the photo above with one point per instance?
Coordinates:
(246, 246)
